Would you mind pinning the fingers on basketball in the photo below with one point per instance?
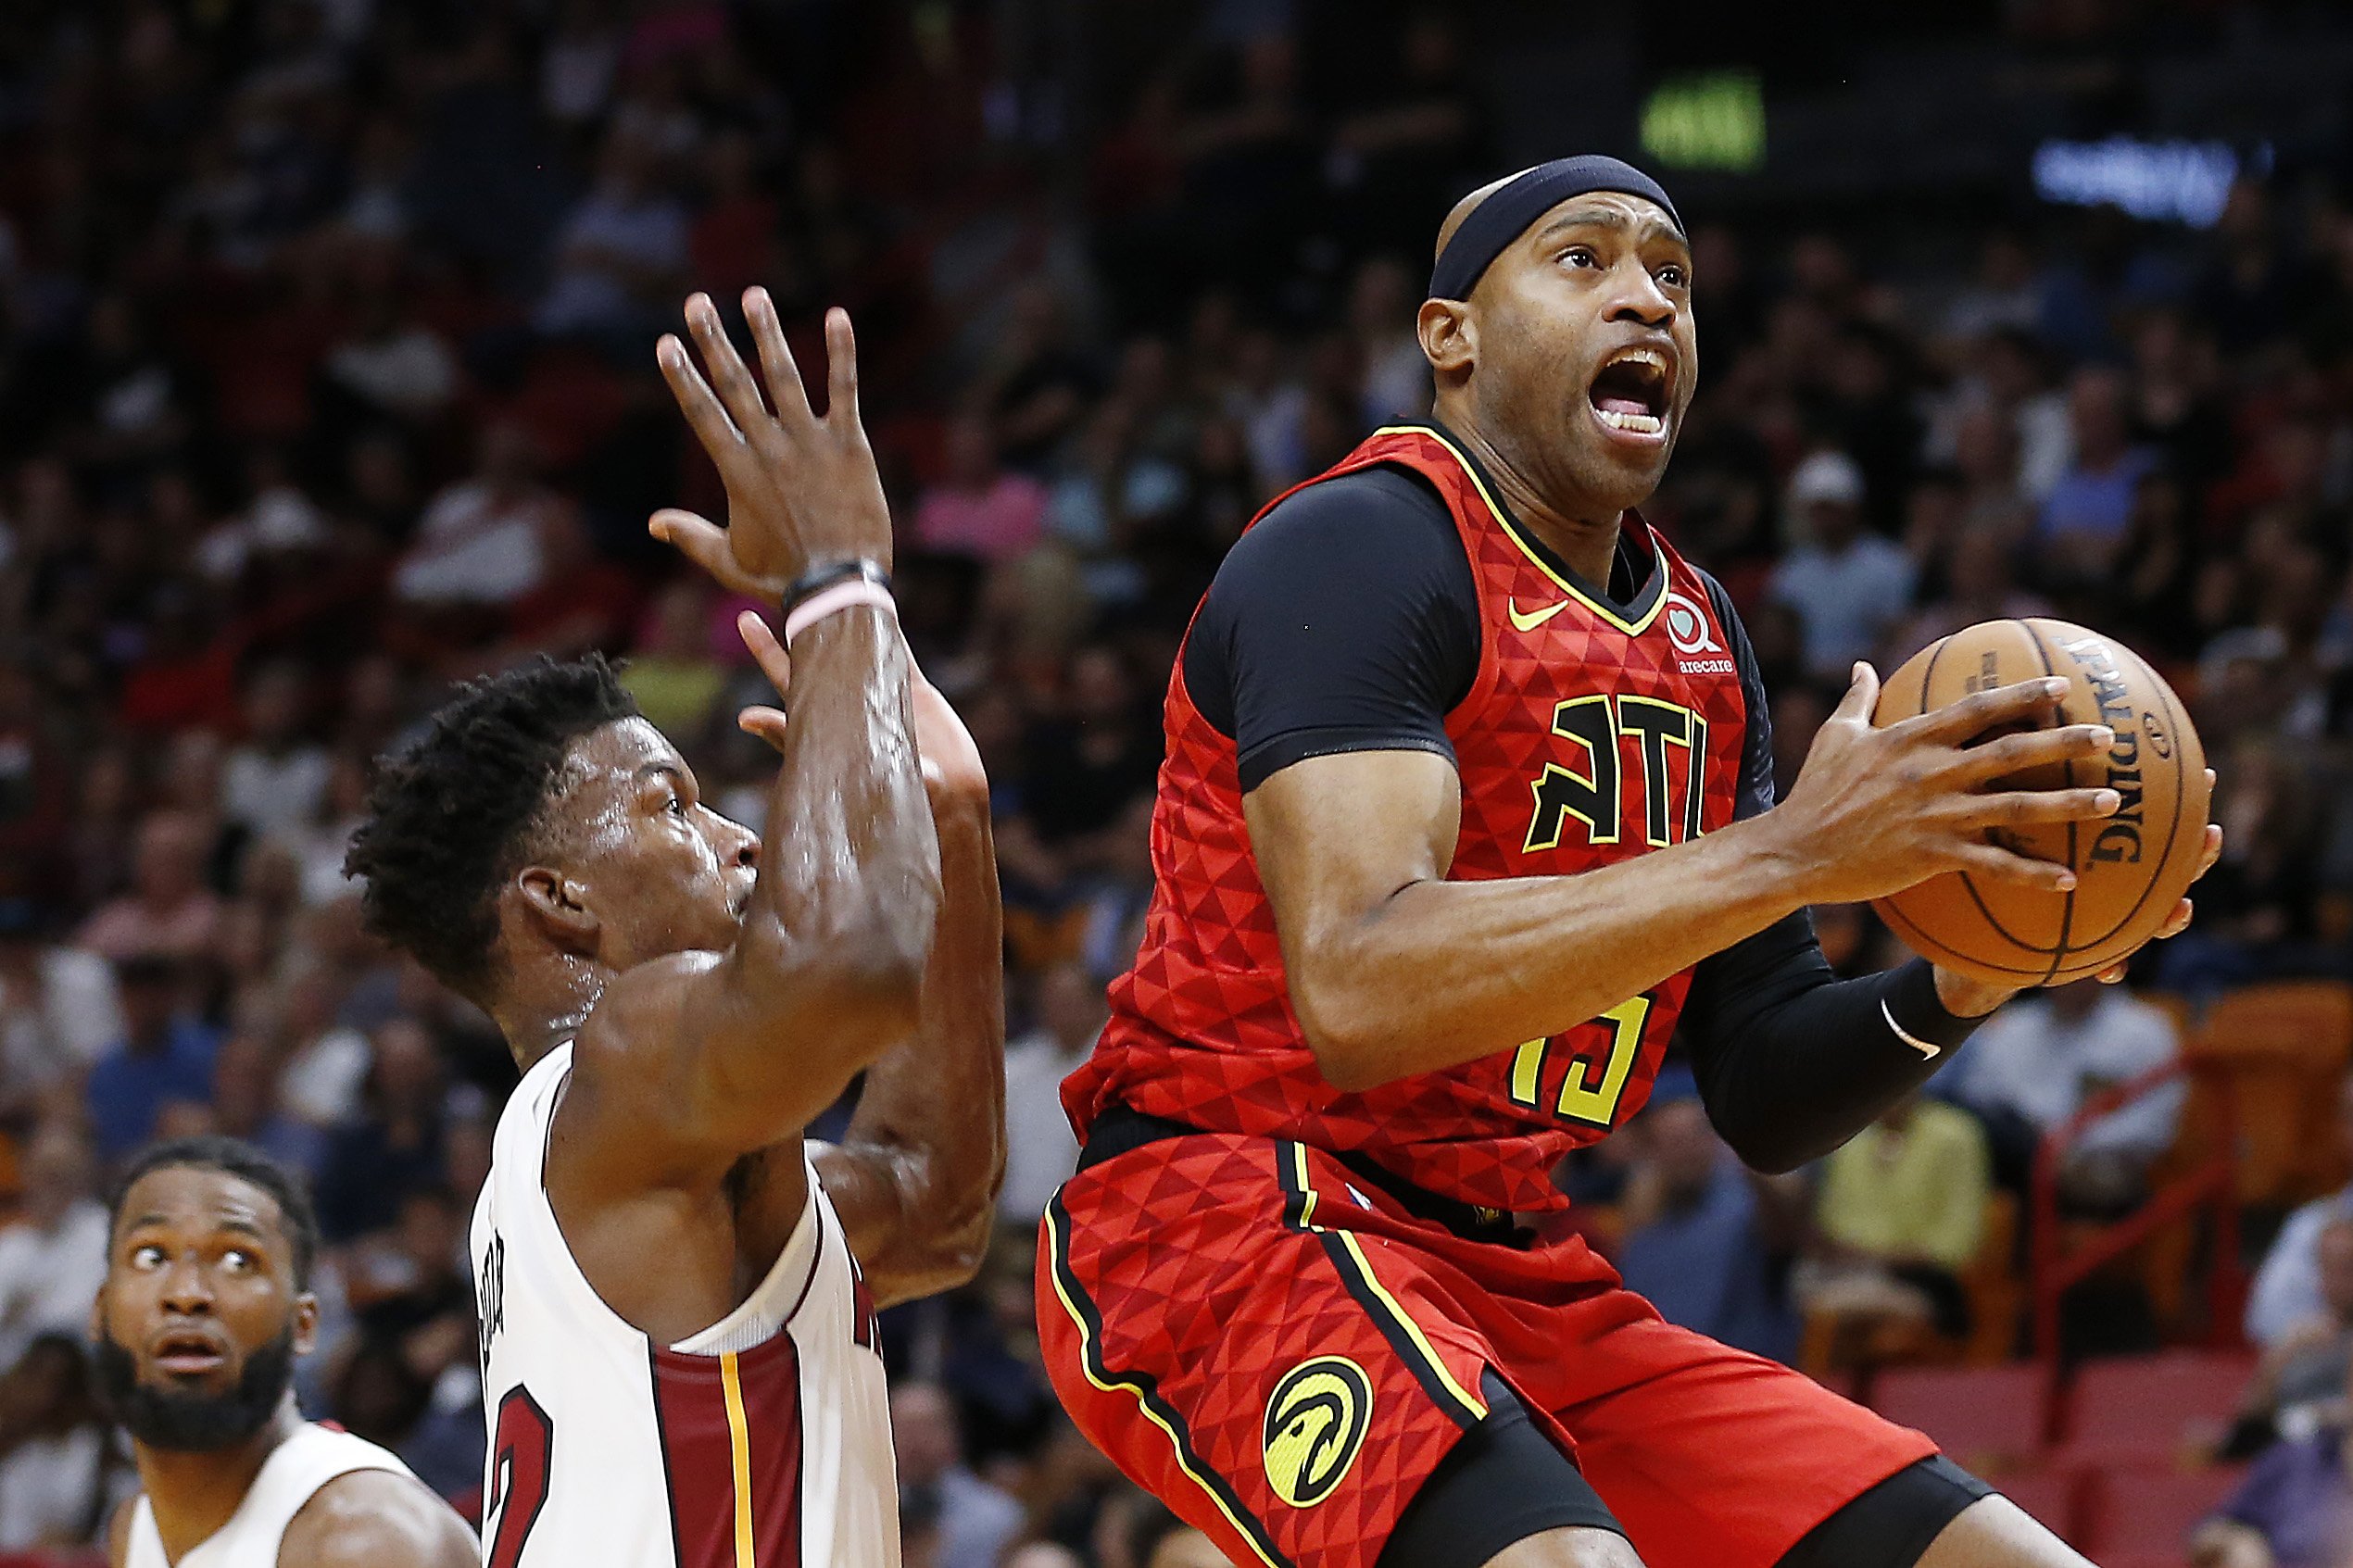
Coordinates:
(2006, 914)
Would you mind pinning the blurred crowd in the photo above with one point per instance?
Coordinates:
(326, 380)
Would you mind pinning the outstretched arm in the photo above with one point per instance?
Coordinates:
(1336, 689)
(916, 1175)
(1395, 970)
(705, 1057)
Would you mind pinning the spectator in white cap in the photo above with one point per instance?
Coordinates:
(1847, 585)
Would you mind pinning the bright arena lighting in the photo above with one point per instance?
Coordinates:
(2175, 180)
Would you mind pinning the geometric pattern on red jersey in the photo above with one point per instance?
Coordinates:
(1573, 705)
(1179, 1284)
(1145, 1316)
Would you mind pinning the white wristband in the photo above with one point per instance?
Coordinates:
(841, 595)
(1912, 1040)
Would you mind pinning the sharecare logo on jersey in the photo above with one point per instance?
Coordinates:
(1687, 626)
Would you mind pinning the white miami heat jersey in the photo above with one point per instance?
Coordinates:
(761, 1442)
(287, 1479)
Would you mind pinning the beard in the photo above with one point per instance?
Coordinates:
(187, 1423)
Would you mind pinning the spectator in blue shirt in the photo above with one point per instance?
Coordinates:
(245, 1105)
(164, 1055)
(2086, 515)
(2294, 1509)
(1848, 585)
(394, 1148)
(1707, 1244)
(2287, 1288)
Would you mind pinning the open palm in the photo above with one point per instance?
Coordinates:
(802, 489)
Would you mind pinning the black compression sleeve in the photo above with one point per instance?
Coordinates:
(1754, 791)
(1346, 620)
(1793, 1062)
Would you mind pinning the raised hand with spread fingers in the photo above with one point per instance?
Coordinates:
(802, 489)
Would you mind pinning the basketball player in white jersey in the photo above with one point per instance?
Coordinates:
(677, 1298)
(206, 1305)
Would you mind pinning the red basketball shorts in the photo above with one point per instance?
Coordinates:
(1281, 1354)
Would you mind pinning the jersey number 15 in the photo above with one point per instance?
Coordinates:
(1591, 1086)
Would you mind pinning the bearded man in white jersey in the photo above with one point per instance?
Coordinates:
(206, 1302)
(675, 1297)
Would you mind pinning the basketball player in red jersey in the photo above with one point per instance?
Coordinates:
(1467, 806)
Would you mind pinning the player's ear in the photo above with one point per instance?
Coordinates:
(557, 906)
(306, 1323)
(1450, 338)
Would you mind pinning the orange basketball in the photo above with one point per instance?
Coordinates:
(2130, 868)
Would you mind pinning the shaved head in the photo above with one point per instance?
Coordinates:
(1468, 205)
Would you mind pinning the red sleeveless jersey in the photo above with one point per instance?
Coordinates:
(1586, 738)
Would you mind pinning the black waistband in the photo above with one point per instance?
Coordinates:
(1119, 1130)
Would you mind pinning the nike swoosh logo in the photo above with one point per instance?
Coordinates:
(1931, 1052)
(1530, 622)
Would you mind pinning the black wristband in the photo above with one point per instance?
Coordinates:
(817, 579)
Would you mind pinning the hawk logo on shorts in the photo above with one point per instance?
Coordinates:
(1315, 1421)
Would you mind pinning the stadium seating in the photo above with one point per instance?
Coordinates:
(2050, 1496)
(2152, 1409)
(1990, 1419)
(2182, 1010)
(2143, 1514)
(2284, 1047)
(1996, 1294)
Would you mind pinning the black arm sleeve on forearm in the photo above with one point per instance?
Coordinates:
(1793, 1062)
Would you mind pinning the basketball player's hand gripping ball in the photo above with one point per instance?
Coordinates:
(2129, 868)
(802, 489)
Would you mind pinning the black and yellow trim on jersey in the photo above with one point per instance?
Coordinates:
(1146, 1390)
(1647, 604)
(1389, 1314)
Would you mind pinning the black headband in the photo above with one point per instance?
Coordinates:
(1504, 217)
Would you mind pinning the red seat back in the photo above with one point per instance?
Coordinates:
(2148, 1510)
(2157, 1408)
(1990, 1419)
(2049, 1495)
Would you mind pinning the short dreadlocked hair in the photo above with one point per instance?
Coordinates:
(449, 817)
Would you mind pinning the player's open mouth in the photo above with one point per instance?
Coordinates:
(1630, 397)
(188, 1353)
